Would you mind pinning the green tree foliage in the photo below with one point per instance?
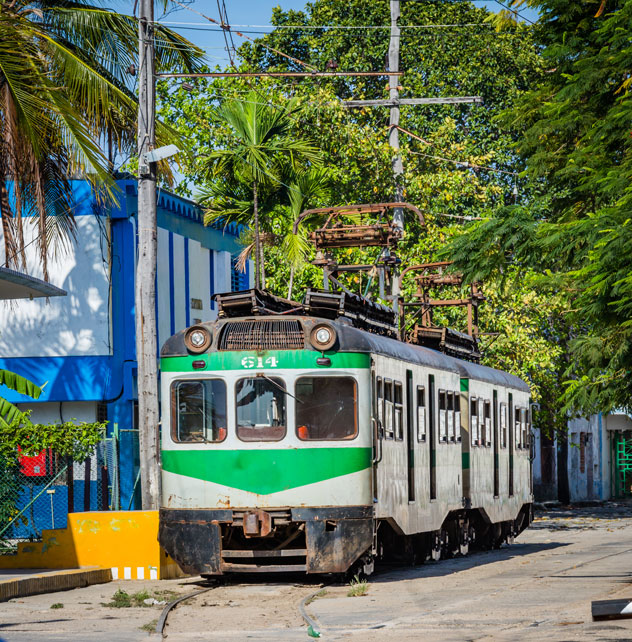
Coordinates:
(573, 135)
(449, 173)
(261, 152)
(67, 439)
(72, 439)
(64, 92)
(9, 413)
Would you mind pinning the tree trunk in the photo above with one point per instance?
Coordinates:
(263, 267)
(257, 240)
(291, 284)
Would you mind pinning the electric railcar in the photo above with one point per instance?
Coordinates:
(295, 443)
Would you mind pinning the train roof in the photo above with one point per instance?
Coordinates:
(355, 340)
(352, 339)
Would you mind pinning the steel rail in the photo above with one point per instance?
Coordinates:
(162, 620)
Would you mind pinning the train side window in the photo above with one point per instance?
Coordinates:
(481, 422)
(457, 416)
(388, 409)
(488, 422)
(198, 411)
(475, 435)
(443, 420)
(260, 408)
(398, 411)
(517, 441)
(503, 425)
(421, 413)
(450, 416)
(326, 408)
(380, 401)
(525, 430)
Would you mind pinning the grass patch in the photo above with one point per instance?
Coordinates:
(123, 600)
(57, 605)
(320, 593)
(357, 587)
(139, 597)
(150, 627)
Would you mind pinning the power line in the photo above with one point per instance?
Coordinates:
(227, 28)
(514, 11)
(465, 164)
(201, 27)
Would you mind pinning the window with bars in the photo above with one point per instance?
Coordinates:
(421, 413)
(443, 416)
(503, 425)
(475, 427)
(487, 439)
(388, 409)
(398, 409)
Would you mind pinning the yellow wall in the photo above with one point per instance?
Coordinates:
(124, 541)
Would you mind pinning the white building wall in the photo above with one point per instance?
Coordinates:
(162, 287)
(50, 412)
(589, 458)
(74, 325)
(222, 272)
(179, 292)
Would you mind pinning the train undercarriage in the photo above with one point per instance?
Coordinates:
(319, 540)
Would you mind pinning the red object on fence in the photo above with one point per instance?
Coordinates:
(34, 466)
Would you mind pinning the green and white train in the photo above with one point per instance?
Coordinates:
(296, 443)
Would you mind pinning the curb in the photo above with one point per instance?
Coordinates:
(51, 582)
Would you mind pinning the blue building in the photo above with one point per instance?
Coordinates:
(82, 347)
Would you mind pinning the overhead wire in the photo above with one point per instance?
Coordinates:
(514, 11)
(337, 27)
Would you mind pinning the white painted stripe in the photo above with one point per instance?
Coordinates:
(140, 572)
(114, 570)
(127, 573)
(153, 573)
(627, 609)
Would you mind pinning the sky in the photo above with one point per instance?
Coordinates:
(244, 13)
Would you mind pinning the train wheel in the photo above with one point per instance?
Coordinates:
(437, 546)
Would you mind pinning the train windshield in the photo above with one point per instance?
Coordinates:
(199, 410)
(326, 408)
(261, 409)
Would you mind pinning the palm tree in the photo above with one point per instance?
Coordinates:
(9, 413)
(303, 190)
(65, 89)
(263, 145)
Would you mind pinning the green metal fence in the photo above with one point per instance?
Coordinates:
(622, 464)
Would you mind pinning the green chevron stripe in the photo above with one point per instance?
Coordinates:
(266, 471)
(269, 360)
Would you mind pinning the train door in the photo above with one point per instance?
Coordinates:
(432, 437)
(410, 434)
(377, 430)
(391, 462)
(510, 421)
(495, 445)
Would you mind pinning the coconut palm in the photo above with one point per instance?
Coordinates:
(263, 146)
(66, 88)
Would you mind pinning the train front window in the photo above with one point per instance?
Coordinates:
(260, 408)
(326, 408)
(198, 410)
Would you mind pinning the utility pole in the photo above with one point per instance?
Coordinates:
(393, 133)
(394, 102)
(145, 295)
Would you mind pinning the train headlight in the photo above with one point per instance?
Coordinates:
(323, 337)
(197, 339)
